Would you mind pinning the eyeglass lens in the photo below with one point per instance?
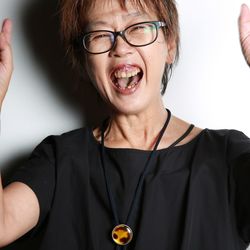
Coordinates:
(137, 35)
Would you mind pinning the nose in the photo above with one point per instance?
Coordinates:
(121, 47)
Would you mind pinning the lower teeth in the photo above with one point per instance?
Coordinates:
(129, 84)
(128, 87)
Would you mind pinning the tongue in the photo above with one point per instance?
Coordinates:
(125, 82)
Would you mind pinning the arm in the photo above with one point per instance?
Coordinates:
(19, 212)
(19, 207)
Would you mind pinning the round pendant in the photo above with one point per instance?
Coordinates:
(122, 234)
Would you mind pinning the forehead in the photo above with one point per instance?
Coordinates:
(124, 17)
(107, 11)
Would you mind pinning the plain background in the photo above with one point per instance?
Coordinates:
(210, 86)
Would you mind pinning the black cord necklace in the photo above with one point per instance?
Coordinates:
(122, 233)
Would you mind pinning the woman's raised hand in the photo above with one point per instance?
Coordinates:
(244, 28)
(6, 61)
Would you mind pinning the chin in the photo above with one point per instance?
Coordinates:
(130, 108)
(143, 98)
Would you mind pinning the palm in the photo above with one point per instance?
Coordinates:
(244, 28)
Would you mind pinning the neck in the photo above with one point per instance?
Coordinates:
(136, 130)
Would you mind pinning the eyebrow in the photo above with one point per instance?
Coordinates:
(132, 14)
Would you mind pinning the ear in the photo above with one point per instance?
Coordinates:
(171, 45)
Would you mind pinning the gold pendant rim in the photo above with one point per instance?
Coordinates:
(130, 231)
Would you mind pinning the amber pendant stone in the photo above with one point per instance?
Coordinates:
(122, 234)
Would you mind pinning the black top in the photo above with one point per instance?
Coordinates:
(195, 196)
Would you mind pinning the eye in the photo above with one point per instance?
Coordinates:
(138, 28)
(141, 29)
(99, 36)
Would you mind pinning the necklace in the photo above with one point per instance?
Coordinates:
(122, 233)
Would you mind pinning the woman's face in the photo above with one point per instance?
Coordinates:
(111, 72)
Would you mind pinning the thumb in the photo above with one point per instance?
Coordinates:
(7, 29)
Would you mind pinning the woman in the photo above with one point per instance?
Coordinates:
(143, 179)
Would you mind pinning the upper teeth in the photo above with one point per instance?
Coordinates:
(126, 74)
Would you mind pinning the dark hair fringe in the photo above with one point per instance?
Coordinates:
(166, 77)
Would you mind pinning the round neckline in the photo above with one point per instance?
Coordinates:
(145, 150)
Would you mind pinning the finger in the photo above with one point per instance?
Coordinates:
(5, 50)
(7, 29)
(5, 41)
(244, 14)
(244, 22)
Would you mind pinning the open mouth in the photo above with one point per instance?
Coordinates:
(127, 80)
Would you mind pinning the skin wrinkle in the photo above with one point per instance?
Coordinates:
(138, 118)
(245, 49)
(21, 206)
(74, 20)
(134, 114)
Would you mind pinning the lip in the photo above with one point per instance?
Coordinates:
(125, 67)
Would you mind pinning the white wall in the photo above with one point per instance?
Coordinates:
(33, 108)
(210, 86)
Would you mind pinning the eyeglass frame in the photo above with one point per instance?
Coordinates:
(157, 24)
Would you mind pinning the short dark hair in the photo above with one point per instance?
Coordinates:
(74, 18)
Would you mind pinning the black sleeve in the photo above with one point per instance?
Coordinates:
(38, 172)
(239, 161)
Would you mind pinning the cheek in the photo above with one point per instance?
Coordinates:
(155, 60)
(94, 65)
(163, 46)
(163, 49)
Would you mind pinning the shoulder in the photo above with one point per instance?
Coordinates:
(230, 136)
(208, 136)
(179, 126)
(65, 142)
(231, 143)
(71, 135)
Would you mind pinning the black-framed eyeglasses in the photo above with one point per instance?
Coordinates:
(137, 35)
